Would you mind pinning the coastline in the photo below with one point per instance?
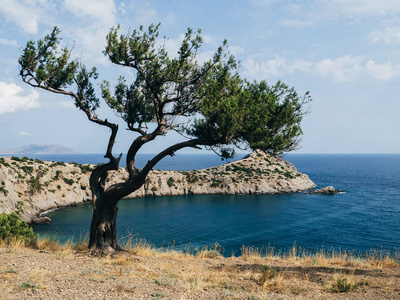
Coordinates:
(34, 187)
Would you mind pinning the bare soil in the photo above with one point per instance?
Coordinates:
(27, 273)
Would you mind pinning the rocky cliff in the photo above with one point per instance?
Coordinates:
(30, 187)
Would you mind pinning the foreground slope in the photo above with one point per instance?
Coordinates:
(146, 273)
(30, 187)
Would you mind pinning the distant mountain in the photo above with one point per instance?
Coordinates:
(41, 149)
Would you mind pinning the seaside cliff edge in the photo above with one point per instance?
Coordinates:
(30, 187)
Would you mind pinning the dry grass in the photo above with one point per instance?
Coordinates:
(144, 271)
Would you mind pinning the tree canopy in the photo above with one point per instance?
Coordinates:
(207, 103)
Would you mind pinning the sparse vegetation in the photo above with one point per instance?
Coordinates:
(144, 271)
(170, 181)
(341, 285)
(4, 191)
(35, 186)
(85, 168)
(68, 181)
(11, 228)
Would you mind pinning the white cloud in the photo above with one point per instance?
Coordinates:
(6, 42)
(360, 8)
(25, 13)
(23, 133)
(343, 69)
(14, 98)
(100, 10)
(388, 36)
(263, 2)
(303, 13)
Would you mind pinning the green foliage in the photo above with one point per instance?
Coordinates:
(267, 273)
(57, 176)
(27, 169)
(58, 163)
(85, 168)
(342, 286)
(154, 188)
(69, 181)
(4, 163)
(3, 190)
(216, 183)
(170, 181)
(35, 186)
(28, 285)
(229, 110)
(12, 227)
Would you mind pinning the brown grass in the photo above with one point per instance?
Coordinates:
(144, 271)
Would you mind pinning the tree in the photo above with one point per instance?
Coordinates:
(209, 104)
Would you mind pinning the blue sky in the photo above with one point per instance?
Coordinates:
(345, 52)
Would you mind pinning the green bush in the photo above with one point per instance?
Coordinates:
(12, 227)
(342, 286)
(69, 181)
(34, 185)
(27, 169)
(3, 190)
(170, 181)
(85, 168)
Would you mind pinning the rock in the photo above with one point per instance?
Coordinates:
(40, 220)
(329, 190)
(64, 184)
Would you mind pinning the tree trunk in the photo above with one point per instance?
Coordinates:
(103, 229)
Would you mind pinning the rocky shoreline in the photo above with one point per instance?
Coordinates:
(30, 187)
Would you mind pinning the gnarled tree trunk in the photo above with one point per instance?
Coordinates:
(103, 229)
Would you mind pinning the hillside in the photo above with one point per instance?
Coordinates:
(30, 187)
(40, 149)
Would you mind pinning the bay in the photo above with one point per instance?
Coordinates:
(366, 217)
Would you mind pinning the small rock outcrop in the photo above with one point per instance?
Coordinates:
(30, 187)
(329, 190)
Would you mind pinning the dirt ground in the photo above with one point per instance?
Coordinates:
(27, 273)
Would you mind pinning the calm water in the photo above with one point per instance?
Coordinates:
(366, 217)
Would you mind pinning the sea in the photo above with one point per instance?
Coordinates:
(366, 217)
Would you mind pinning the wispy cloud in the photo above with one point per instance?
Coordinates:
(343, 69)
(23, 12)
(6, 42)
(14, 98)
(103, 11)
(387, 35)
(23, 133)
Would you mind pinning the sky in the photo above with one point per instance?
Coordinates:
(344, 52)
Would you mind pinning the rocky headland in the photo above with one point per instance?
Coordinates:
(30, 187)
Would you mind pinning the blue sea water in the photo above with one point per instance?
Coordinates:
(366, 217)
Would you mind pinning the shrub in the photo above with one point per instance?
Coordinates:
(154, 188)
(267, 273)
(34, 185)
(12, 227)
(4, 191)
(69, 181)
(342, 286)
(85, 168)
(3, 162)
(170, 181)
(27, 169)
(57, 164)
(57, 176)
